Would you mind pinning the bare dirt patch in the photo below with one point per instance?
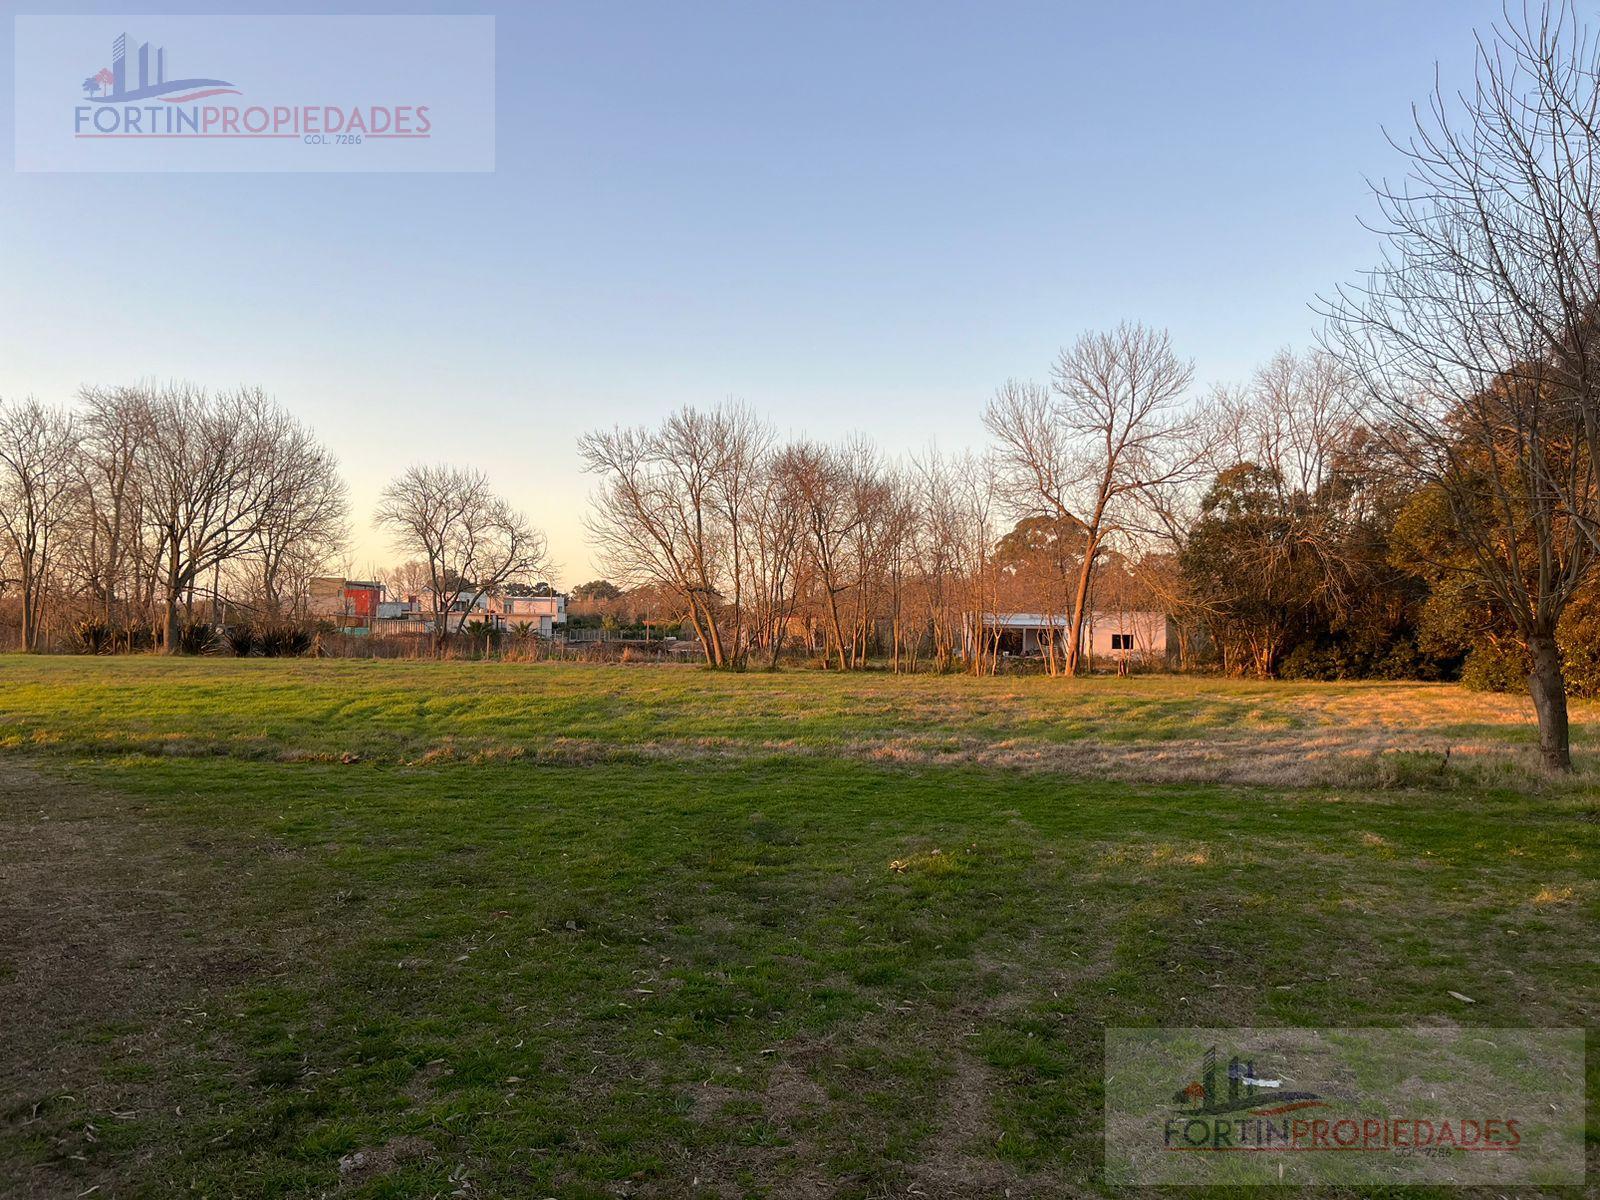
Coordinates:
(104, 945)
(956, 1163)
(360, 1165)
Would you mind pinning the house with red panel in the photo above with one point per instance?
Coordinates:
(351, 604)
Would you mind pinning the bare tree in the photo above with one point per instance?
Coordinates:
(113, 424)
(37, 497)
(958, 571)
(739, 443)
(867, 542)
(206, 485)
(673, 510)
(1476, 341)
(1108, 433)
(776, 551)
(470, 538)
(305, 523)
(1293, 420)
(898, 521)
(936, 556)
(968, 517)
(824, 486)
(409, 578)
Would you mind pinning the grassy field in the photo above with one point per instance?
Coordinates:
(296, 929)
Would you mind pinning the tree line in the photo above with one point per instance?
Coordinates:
(1425, 479)
(141, 501)
(1266, 519)
(149, 512)
(1415, 496)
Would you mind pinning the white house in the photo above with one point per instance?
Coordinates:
(538, 614)
(1132, 636)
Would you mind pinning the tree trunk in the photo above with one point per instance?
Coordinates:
(173, 587)
(1548, 685)
(30, 630)
(169, 626)
(1080, 602)
(699, 630)
(838, 629)
(714, 647)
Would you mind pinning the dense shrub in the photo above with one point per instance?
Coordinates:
(1333, 658)
(133, 639)
(241, 640)
(1496, 667)
(1503, 667)
(285, 641)
(197, 637)
(1579, 634)
(94, 637)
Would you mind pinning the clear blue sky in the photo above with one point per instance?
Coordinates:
(854, 216)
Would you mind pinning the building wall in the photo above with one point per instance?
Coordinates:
(543, 613)
(361, 602)
(325, 596)
(1108, 635)
(1148, 631)
(349, 601)
(532, 608)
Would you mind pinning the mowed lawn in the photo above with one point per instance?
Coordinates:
(296, 929)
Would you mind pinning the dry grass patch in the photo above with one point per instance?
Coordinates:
(1159, 856)
(1549, 895)
(1148, 729)
(928, 862)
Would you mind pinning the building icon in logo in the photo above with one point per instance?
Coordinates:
(119, 64)
(139, 72)
(1246, 1090)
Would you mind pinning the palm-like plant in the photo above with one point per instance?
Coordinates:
(94, 637)
(197, 637)
(284, 641)
(480, 629)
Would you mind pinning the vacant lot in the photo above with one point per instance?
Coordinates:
(388, 929)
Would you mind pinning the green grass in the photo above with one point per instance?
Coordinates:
(402, 712)
(578, 931)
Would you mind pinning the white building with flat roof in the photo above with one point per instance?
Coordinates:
(1134, 636)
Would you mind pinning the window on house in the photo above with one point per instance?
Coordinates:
(1122, 641)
